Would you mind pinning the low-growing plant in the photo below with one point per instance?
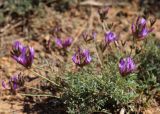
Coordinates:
(106, 91)
(121, 80)
(18, 8)
(149, 72)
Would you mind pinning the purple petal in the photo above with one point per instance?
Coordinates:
(76, 59)
(126, 66)
(81, 57)
(17, 46)
(3, 84)
(140, 29)
(24, 56)
(142, 21)
(67, 42)
(87, 55)
(58, 42)
(13, 81)
(144, 32)
(110, 37)
(133, 29)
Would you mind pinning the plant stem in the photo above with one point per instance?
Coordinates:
(46, 79)
(39, 95)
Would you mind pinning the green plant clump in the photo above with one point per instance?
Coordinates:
(106, 92)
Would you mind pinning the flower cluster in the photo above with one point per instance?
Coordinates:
(126, 66)
(63, 43)
(140, 29)
(110, 37)
(24, 55)
(81, 57)
(14, 82)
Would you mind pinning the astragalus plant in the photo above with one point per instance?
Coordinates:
(121, 77)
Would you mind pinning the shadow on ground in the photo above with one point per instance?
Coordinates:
(47, 106)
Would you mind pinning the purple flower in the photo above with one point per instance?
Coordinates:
(17, 48)
(14, 83)
(126, 66)
(67, 42)
(141, 21)
(59, 43)
(63, 44)
(81, 57)
(140, 30)
(110, 37)
(27, 56)
(23, 55)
